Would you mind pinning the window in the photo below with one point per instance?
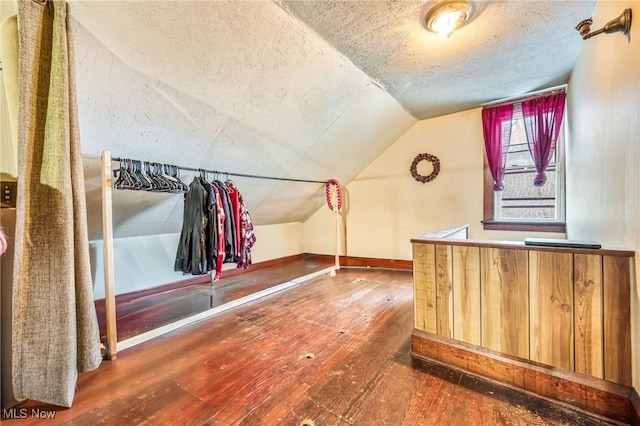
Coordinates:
(521, 206)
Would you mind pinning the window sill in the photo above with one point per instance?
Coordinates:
(559, 227)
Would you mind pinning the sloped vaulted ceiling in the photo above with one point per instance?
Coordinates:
(508, 47)
(299, 89)
(233, 86)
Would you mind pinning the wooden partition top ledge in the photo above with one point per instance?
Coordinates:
(437, 238)
(443, 233)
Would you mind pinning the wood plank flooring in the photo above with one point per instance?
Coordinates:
(331, 351)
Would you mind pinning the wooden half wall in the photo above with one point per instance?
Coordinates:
(566, 309)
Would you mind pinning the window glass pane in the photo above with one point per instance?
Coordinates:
(518, 154)
(521, 200)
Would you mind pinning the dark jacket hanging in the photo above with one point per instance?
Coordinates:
(211, 228)
(191, 257)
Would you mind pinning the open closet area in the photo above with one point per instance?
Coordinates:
(307, 213)
(216, 230)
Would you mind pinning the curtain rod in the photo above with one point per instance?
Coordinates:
(538, 93)
(231, 174)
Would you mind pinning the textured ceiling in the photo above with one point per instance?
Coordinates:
(507, 48)
(233, 86)
(300, 89)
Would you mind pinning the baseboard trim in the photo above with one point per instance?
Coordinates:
(196, 280)
(635, 408)
(256, 266)
(371, 262)
(599, 397)
(365, 262)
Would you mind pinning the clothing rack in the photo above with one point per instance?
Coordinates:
(191, 169)
(111, 345)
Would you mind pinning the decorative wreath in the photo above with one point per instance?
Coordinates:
(435, 162)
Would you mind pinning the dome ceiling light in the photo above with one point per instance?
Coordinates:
(446, 16)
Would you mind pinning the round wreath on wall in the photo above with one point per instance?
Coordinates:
(435, 162)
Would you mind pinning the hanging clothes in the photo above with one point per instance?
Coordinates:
(219, 233)
(216, 229)
(247, 237)
(210, 229)
(191, 256)
(229, 223)
(234, 196)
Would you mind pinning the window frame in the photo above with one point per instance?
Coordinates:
(489, 203)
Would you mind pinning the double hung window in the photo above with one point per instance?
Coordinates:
(521, 204)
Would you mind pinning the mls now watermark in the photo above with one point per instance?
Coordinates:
(25, 413)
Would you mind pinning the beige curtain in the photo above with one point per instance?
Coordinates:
(55, 333)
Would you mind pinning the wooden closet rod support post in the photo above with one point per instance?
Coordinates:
(333, 194)
(107, 238)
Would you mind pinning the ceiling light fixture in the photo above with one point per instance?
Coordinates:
(620, 24)
(446, 16)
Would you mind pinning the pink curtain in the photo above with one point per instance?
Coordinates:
(542, 121)
(496, 126)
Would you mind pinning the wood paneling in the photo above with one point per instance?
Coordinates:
(424, 287)
(617, 324)
(466, 294)
(587, 281)
(505, 301)
(591, 394)
(557, 308)
(444, 294)
(551, 304)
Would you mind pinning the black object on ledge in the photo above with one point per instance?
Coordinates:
(558, 242)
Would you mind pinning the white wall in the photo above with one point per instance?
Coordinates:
(146, 262)
(276, 241)
(603, 179)
(386, 207)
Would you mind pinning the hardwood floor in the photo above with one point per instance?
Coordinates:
(332, 351)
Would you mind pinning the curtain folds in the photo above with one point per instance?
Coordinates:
(496, 126)
(542, 118)
(55, 329)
